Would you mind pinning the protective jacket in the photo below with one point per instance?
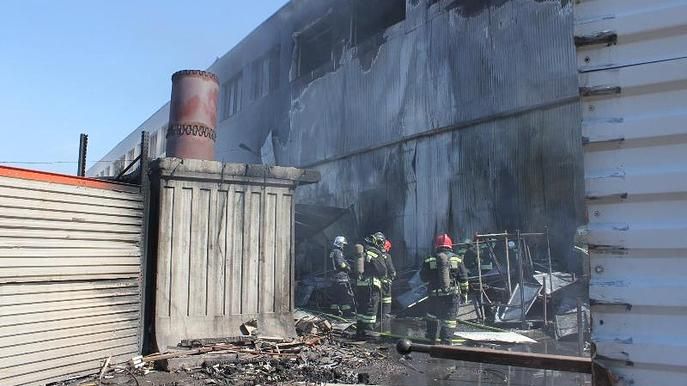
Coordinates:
(445, 274)
(339, 265)
(374, 267)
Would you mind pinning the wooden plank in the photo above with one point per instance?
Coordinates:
(218, 253)
(69, 189)
(198, 257)
(28, 331)
(66, 271)
(58, 234)
(66, 356)
(70, 225)
(18, 353)
(26, 319)
(34, 262)
(21, 242)
(267, 255)
(44, 288)
(165, 252)
(27, 203)
(68, 371)
(41, 195)
(71, 277)
(132, 251)
(235, 295)
(91, 218)
(34, 308)
(33, 298)
(250, 272)
(283, 262)
(179, 300)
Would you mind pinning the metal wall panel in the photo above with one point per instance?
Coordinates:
(632, 58)
(224, 252)
(69, 275)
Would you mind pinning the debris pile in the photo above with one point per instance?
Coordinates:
(251, 361)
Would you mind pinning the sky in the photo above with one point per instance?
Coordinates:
(101, 68)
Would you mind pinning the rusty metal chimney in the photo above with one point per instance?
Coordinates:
(193, 115)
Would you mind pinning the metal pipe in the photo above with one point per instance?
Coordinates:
(506, 234)
(491, 235)
(548, 253)
(510, 286)
(521, 281)
(546, 319)
(479, 275)
(83, 148)
(500, 357)
(193, 115)
(580, 329)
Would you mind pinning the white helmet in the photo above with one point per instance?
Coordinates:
(340, 242)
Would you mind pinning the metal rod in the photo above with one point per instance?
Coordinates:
(510, 286)
(83, 149)
(479, 275)
(126, 169)
(546, 319)
(521, 281)
(529, 255)
(506, 234)
(500, 357)
(548, 254)
(580, 329)
(491, 235)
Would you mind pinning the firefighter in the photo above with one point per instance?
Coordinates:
(370, 268)
(341, 287)
(386, 287)
(447, 280)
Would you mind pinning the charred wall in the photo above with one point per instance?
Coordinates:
(462, 118)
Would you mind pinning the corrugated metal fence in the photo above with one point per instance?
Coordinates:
(632, 58)
(70, 266)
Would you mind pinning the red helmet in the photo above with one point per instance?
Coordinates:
(387, 246)
(443, 241)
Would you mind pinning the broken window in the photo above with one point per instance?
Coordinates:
(320, 47)
(163, 140)
(152, 145)
(231, 96)
(118, 166)
(131, 155)
(265, 72)
(372, 17)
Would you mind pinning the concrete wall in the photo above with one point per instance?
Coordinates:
(224, 249)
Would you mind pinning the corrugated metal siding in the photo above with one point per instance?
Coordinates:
(224, 256)
(636, 182)
(500, 138)
(69, 279)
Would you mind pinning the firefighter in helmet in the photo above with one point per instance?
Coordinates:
(447, 280)
(369, 270)
(386, 287)
(341, 287)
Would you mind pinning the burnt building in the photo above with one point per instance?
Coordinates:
(422, 116)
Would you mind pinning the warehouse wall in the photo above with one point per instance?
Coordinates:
(462, 118)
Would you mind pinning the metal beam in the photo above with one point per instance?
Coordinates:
(500, 357)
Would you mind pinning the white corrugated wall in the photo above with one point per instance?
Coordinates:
(632, 58)
(70, 266)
